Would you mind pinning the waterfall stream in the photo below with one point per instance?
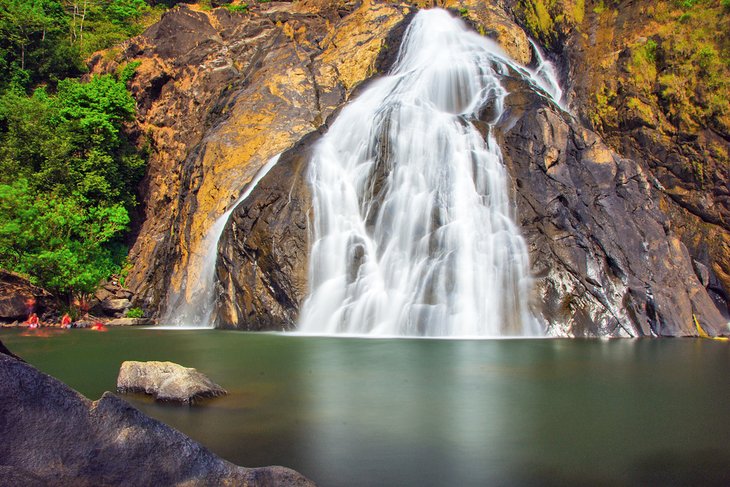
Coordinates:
(413, 230)
(195, 307)
(546, 76)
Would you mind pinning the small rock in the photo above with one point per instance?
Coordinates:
(103, 294)
(112, 305)
(130, 322)
(167, 381)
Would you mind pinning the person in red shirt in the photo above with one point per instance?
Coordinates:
(66, 321)
(32, 321)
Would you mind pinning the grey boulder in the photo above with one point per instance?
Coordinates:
(167, 381)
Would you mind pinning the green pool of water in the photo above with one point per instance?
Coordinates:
(372, 412)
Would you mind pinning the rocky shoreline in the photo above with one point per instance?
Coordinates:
(52, 435)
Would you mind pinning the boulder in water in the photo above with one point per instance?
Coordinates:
(167, 381)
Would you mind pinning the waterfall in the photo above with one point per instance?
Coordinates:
(197, 309)
(546, 76)
(413, 230)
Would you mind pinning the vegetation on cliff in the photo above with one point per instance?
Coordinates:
(68, 170)
(681, 64)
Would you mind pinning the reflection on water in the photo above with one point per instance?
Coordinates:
(433, 412)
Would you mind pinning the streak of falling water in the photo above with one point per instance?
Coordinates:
(546, 76)
(195, 307)
(413, 228)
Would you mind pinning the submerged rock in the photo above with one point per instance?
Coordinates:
(167, 381)
(52, 435)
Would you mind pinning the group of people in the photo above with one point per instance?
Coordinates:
(66, 322)
(34, 322)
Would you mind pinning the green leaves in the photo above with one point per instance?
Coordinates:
(67, 180)
(60, 242)
(96, 109)
(72, 142)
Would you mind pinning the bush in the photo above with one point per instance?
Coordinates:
(135, 313)
(242, 8)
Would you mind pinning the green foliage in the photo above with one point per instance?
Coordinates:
(604, 112)
(135, 313)
(694, 78)
(34, 45)
(44, 41)
(686, 4)
(242, 8)
(67, 179)
(464, 12)
(72, 142)
(126, 72)
(643, 65)
(547, 20)
(537, 18)
(579, 11)
(60, 242)
(600, 8)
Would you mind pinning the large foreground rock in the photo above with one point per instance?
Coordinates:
(167, 381)
(51, 435)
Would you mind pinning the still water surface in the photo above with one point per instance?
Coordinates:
(392, 412)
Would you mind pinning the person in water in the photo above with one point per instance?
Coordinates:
(66, 321)
(33, 321)
(98, 326)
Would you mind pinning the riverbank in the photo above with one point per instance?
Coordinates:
(90, 322)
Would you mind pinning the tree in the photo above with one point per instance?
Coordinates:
(33, 45)
(62, 244)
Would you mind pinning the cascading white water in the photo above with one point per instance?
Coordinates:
(413, 232)
(546, 76)
(196, 309)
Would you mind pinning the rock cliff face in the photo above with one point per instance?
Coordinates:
(219, 94)
(609, 225)
(604, 257)
(18, 298)
(648, 77)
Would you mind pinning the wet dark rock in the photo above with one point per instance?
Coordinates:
(166, 381)
(264, 251)
(604, 260)
(53, 435)
(686, 162)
